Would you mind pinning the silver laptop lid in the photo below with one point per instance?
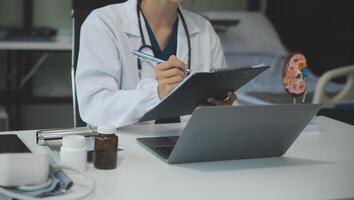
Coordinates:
(241, 132)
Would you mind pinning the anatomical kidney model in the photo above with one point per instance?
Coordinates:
(294, 76)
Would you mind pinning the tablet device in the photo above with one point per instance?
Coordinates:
(225, 22)
(12, 144)
(198, 87)
(222, 25)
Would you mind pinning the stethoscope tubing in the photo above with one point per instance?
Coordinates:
(145, 46)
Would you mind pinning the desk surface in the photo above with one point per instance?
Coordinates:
(319, 165)
(62, 43)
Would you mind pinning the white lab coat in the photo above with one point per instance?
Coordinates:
(108, 87)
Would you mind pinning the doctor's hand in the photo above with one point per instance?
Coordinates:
(168, 75)
(228, 101)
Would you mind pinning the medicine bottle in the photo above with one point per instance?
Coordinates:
(73, 152)
(106, 144)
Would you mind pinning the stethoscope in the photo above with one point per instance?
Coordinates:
(145, 46)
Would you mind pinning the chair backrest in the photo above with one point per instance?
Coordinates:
(344, 96)
(80, 10)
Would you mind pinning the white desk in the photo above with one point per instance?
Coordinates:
(317, 166)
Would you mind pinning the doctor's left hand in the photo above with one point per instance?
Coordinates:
(228, 101)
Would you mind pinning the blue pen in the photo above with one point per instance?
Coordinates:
(147, 57)
(150, 58)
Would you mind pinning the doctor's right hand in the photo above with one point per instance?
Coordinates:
(168, 75)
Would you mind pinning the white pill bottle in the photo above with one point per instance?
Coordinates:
(73, 152)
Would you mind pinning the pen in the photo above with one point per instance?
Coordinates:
(152, 59)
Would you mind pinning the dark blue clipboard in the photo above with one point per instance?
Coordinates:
(198, 87)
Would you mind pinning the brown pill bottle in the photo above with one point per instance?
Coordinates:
(106, 145)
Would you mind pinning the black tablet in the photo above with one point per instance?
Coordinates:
(12, 144)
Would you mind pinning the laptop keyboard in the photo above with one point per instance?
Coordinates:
(163, 146)
(164, 151)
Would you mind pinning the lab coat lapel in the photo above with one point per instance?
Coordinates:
(131, 28)
(131, 24)
(182, 41)
(148, 68)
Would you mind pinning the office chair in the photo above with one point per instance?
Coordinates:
(346, 95)
(341, 106)
(80, 10)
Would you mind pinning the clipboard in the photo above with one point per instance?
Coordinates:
(199, 86)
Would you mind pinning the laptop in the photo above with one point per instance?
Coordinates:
(234, 132)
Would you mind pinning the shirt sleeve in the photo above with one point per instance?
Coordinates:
(98, 80)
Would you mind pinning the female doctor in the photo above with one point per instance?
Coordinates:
(115, 88)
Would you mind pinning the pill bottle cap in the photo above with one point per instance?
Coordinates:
(74, 141)
(106, 130)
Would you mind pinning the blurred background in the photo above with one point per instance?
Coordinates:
(36, 50)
